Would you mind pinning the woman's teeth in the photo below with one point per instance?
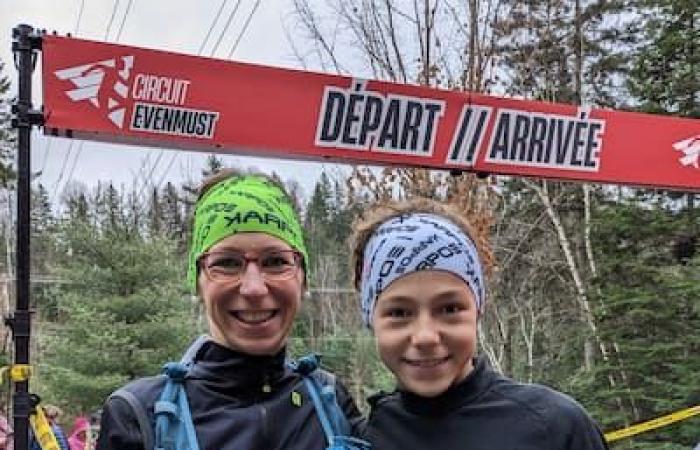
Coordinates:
(254, 317)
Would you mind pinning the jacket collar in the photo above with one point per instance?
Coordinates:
(462, 393)
(236, 373)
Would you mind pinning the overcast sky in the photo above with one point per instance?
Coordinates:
(173, 25)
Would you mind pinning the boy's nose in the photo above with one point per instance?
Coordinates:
(425, 333)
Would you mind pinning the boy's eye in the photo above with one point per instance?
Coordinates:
(397, 313)
(452, 308)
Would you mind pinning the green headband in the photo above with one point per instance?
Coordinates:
(242, 204)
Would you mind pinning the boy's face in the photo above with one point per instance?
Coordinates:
(425, 325)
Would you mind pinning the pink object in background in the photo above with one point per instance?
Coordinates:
(79, 436)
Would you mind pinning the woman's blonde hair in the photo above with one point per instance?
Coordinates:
(366, 225)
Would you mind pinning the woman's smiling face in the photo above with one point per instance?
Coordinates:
(253, 315)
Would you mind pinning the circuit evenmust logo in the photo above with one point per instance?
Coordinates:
(105, 84)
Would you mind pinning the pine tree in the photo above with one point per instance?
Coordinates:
(43, 227)
(212, 166)
(566, 51)
(111, 200)
(76, 204)
(318, 217)
(536, 50)
(7, 171)
(123, 311)
(173, 215)
(665, 74)
(649, 304)
(155, 214)
(7, 134)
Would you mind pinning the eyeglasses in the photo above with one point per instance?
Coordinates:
(229, 266)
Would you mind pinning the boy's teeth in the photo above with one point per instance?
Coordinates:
(427, 362)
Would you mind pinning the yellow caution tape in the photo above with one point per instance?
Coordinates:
(42, 430)
(17, 372)
(652, 424)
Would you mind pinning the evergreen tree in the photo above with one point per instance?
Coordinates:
(212, 166)
(174, 221)
(566, 51)
(318, 217)
(7, 134)
(7, 172)
(648, 303)
(665, 75)
(110, 202)
(123, 311)
(343, 214)
(155, 214)
(76, 204)
(537, 50)
(43, 227)
(328, 220)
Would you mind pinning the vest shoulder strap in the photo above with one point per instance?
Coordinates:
(145, 426)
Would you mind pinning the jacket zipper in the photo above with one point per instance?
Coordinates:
(264, 425)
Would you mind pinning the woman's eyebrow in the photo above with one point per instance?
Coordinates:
(267, 248)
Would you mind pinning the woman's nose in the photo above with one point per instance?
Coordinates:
(252, 281)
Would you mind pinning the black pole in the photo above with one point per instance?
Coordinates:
(24, 46)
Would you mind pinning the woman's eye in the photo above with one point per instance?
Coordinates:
(275, 261)
(227, 262)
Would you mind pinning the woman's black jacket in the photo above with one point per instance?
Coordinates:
(237, 402)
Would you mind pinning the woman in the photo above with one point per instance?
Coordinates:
(248, 266)
(420, 268)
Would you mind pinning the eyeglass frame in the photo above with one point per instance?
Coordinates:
(298, 263)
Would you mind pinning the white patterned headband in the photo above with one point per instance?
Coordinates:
(413, 242)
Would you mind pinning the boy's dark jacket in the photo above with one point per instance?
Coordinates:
(237, 402)
(486, 411)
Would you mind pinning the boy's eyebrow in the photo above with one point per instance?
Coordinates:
(395, 299)
(447, 294)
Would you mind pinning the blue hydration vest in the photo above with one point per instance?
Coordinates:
(174, 429)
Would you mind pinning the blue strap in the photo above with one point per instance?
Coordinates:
(328, 429)
(172, 410)
(321, 388)
(191, 352)
(174, 429)
(186, 418)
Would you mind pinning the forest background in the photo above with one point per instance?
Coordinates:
(597, 291)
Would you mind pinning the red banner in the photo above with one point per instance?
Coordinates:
(115, 93)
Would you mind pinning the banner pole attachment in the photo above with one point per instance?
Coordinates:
(25, 44)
